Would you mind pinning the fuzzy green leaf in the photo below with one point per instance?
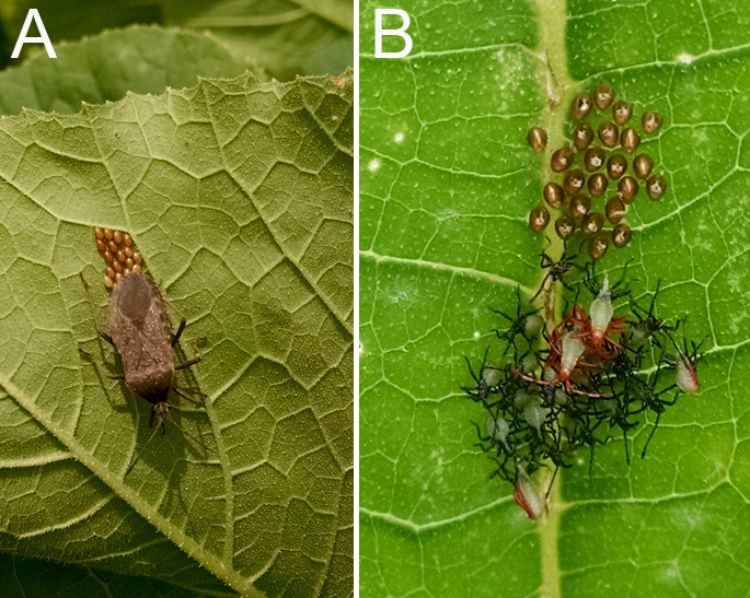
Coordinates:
(106, 66)
(238, 195)
(285, 37)
(447, 181)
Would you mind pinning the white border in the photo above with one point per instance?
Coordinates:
(355, 256)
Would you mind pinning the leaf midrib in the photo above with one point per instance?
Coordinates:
(182, 541)
(557, 90)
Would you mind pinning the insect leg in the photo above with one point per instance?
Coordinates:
(188, 363)
(176, 336)
(651, 435)
(185, 395)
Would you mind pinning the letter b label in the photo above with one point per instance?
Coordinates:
(398, 32)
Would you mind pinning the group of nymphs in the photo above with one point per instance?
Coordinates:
(558, 380)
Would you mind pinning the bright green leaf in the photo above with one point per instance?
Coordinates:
(447, 181)
(238, 194)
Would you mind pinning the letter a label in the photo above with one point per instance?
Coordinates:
(42, 38)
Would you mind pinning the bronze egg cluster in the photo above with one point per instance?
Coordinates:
(119, 253)
(594, 162)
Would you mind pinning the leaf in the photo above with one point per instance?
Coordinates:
(70, 21)
(238, 194)
(106, 66)
(29, 577)
(283, 37)
(447, 181)
(286, 37)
